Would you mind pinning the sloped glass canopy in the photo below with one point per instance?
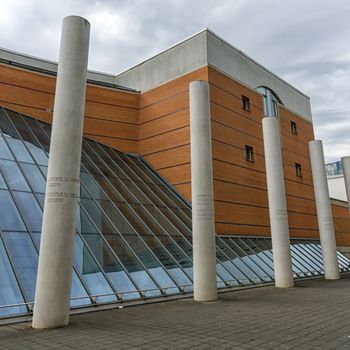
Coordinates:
(133, 231)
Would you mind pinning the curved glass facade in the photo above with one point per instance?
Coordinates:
(133, 231)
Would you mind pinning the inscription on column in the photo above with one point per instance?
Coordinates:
(204, 207)
(58, 185)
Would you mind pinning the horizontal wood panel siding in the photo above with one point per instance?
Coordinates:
(341, 222)
(111, 116)
(155, 124)
(241, 205)
(302, 215)
(164, 129)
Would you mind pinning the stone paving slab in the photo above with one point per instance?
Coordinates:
(313, 315)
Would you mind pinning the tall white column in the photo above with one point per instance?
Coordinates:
(324, 212)
(282, 260)
(204, 251)
(346, 170)
(53, 287)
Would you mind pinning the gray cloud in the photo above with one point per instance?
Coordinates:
(305, 42)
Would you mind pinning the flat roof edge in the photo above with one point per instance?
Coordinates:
(43, 66)
(254, 61)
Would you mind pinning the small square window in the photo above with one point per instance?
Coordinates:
(298, 170)
(245, 103)
(249, 153)
(293, 128)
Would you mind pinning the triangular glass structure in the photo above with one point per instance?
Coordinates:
(133, 232)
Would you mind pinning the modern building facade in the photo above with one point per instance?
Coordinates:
(133, 237)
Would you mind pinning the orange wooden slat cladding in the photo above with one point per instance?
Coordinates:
(155, 124)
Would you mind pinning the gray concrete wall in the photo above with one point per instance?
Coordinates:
(208, 48)
(235, 63)
(179, 59)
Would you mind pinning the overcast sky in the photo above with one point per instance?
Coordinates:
(306, 42)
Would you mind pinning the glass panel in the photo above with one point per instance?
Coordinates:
(25, 260)
(29, 209)
(4, 151)
(110, 265)
(13, 175)
(172, 268)
(34, 176)
(255, 254)
(39, 133)
(10, 218)
(311, 255)
(19, 150)
(2, 183)
(9, 290)
(28, 138)
(91, 274)
(78, 292)
(153, 266)
(132, 265)
(306, 258)
(5, 124)
(239, 274)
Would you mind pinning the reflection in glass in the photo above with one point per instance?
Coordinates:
(25, 260)
(30, 210)
(9, 290)
(4, 150)
(13, 175)
(10, 218)
(34, 176)
(133, 231)
(78, 293)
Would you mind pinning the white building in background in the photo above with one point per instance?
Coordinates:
(336, 182)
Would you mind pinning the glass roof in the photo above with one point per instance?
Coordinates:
(133, 233)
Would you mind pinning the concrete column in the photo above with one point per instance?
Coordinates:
(53, 287)
(277, 204)
(324, 212)
(204, 251)
(346, 170)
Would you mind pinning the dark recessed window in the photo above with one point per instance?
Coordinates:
(298, 170)
(249, 153)
(293, 128)
(245, 103)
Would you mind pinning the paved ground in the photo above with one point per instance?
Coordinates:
(314, 315)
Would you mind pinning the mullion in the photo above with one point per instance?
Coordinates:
(303, 252)
(154, 206)
(295, 262)
(87, 290)
(159, 183)
(18, 280)
(306, 262)
(113, 253)
(315, 257)
(218, 261)
(136, 216)
(300, 259)
(174, 219)
(243, 242)
(47, 130)
(222, 241)
(250, 259)
(134, 167)
(125, 241)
